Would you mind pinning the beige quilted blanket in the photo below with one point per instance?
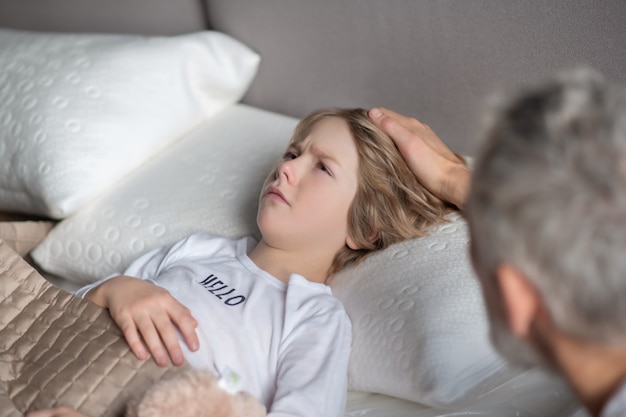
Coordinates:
(57, 349)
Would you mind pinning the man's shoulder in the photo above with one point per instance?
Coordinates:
(616, 406)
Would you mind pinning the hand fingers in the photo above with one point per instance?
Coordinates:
(148, 327)
(175, 316)
(388, 124)
(405, 121)
(187, 325)
(409, 145)
(402, 129)
(157, 331)
(131, 334)
(414, 126)
(431, 161)
(149, 318)
(169, 338)
(414, 131)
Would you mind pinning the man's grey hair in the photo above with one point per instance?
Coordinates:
(549, 197)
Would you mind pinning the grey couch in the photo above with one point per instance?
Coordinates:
(437, 60)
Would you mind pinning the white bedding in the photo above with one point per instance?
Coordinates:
(531, 394)
(177, 191)
(80, 111)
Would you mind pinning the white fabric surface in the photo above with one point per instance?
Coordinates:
(420, 327)
(417, 312)
(616, 406)
(80, 111)
(289, 343)
(531, 394)
(208, 181)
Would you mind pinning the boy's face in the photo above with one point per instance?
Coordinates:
(304, 205)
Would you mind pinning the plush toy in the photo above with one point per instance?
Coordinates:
(196, 393)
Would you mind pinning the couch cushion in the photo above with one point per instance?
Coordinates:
(79, 112)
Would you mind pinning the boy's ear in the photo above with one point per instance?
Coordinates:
(373, 237)
(520, 299)
(351, 243)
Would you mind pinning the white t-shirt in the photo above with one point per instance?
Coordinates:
(290, 343)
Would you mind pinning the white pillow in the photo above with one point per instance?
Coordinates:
(210, 180)
(419, 327)
(420, 330)
(79, 111)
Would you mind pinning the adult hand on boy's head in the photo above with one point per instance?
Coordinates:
(148, 316)
(441, 171)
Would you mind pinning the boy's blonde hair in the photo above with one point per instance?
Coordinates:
(390, 205)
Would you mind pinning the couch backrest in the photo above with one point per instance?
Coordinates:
(150, 17)
(437, 60)
(434, 59)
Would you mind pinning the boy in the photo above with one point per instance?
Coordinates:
(341, 191)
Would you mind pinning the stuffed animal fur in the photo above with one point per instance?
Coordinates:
(194, 393)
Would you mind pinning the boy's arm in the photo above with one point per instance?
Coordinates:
(148, 316)
(439, 169)
(312, 376)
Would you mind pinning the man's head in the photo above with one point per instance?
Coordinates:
(547, 213)
(389, 204)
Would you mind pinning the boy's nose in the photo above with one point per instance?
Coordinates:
(289, 170)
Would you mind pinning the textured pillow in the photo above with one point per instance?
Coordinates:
(207, 181)
(420, 330)
(78, 111)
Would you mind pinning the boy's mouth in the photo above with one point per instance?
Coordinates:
(275, 194)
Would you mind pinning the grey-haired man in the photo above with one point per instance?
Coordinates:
(547, 217)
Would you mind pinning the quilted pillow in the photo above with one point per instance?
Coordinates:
(419, 328)
(80, 111)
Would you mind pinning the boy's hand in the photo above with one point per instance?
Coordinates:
(148, 316)
(432, 162)
(55, 412)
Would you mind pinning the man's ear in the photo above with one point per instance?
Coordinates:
(520, 299)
